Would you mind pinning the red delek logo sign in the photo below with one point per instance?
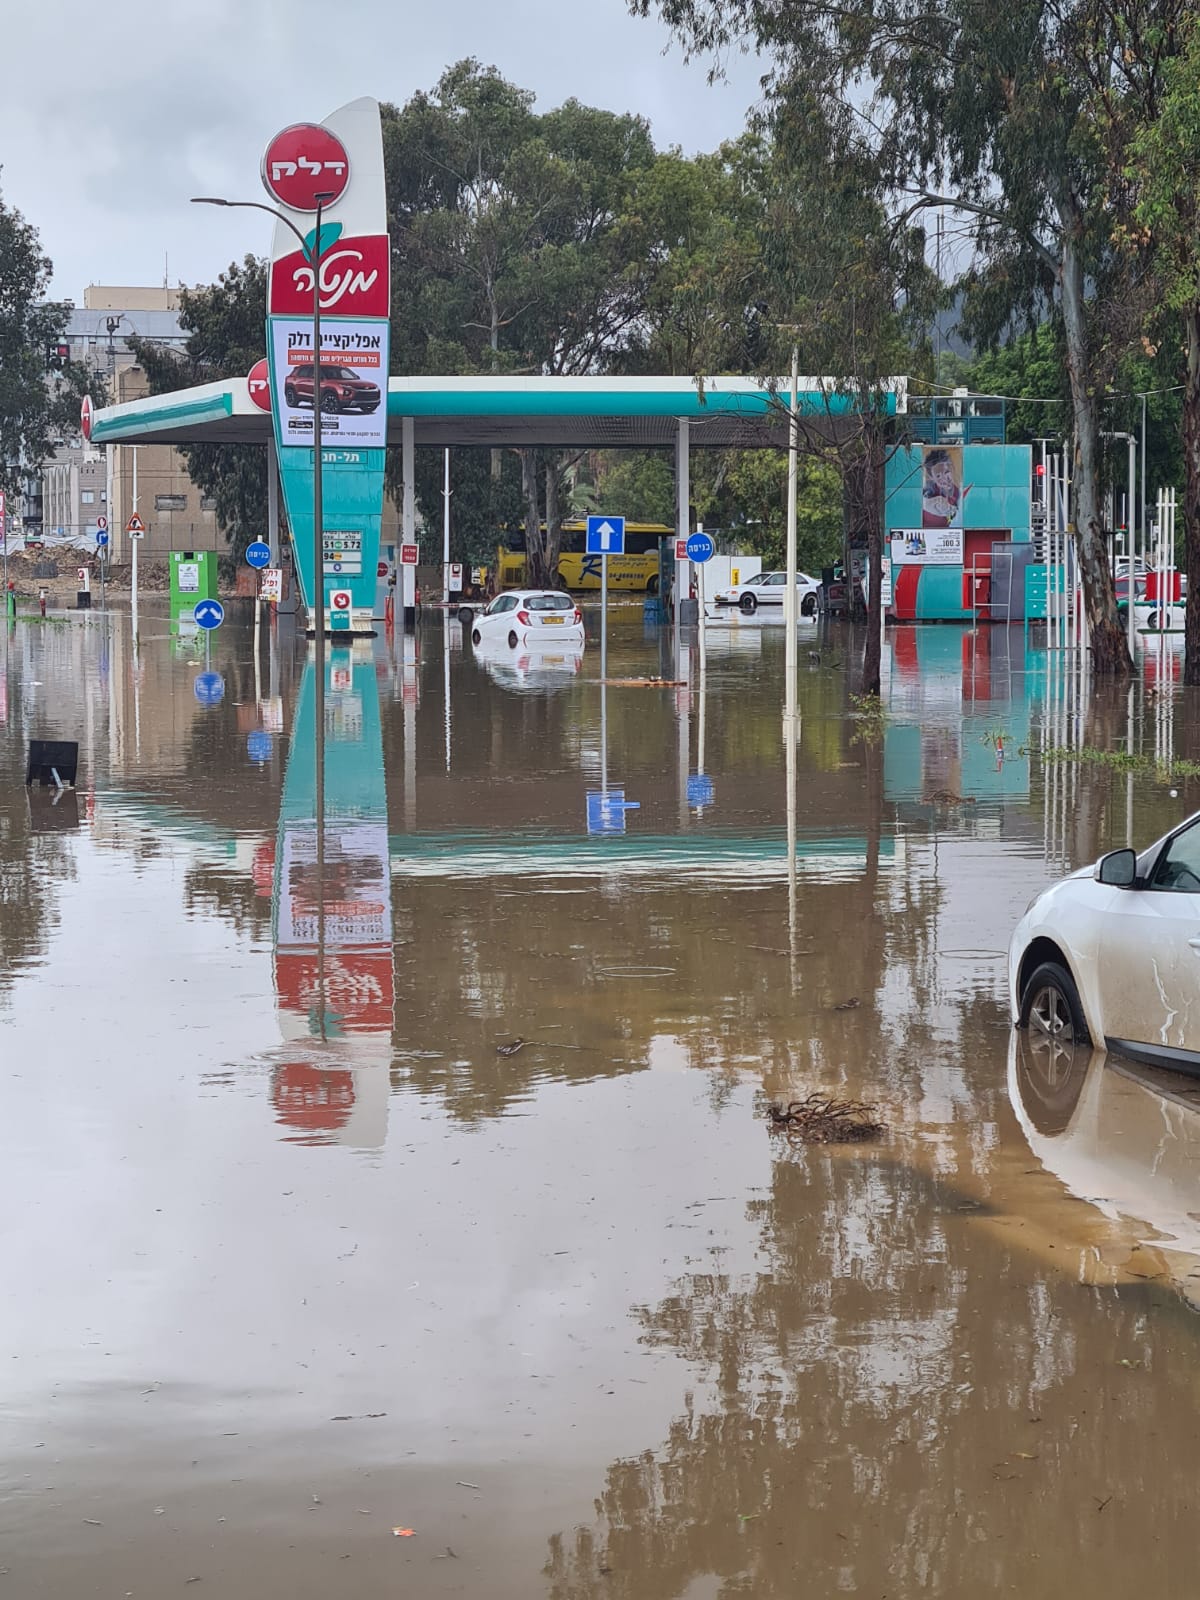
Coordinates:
(302, 162)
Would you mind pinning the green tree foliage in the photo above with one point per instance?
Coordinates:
(1163, 154)
(1015, 115)
(224, 323)
(39, 408)
(559, 243)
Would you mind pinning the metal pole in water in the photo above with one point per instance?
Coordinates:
(604, 617)
(1129, 583)
(318, 599)
(134, 575)
(789, 593)
(446, 529)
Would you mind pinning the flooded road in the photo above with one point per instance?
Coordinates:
(296, 1258)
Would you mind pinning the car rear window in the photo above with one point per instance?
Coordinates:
(550, 602)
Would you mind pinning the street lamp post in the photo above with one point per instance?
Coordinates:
(317, 599)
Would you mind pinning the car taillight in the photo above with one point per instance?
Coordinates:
(524, 618)
(578, 617)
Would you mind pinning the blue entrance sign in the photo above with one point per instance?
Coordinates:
(605, 536)
(258, 554)
(209, 688)
(701, 547)
(209, 614)
(606, 810)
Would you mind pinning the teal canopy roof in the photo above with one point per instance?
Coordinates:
(588, 412)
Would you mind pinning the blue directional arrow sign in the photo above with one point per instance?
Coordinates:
(258, 554)
(605, 536)
(102, 538)
(701, 547)
(209, 614)
(209, 688)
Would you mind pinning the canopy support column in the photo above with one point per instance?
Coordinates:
(408, 575)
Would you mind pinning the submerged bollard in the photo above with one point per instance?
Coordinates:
(42, 600)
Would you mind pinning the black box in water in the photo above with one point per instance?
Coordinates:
(48, 756)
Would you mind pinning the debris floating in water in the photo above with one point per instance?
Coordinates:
(510, 1049)
(820, 1119)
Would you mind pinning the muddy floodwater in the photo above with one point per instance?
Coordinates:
(312, 1289)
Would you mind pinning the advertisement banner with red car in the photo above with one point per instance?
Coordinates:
(353, 382)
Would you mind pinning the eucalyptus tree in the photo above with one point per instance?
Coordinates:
(1006, 115)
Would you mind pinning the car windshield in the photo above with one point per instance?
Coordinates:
(336, 372)
(550, 602)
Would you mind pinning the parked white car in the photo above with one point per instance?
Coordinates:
(768, 589)
(539, 619)
(1112, 954)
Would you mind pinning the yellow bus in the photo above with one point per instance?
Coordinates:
(636, 570)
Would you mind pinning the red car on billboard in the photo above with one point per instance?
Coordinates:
(341, 389)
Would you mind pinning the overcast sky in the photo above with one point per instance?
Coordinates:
(113, 114)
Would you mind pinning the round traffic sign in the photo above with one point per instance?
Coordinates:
(101, 538)
(258, 381)
(303, 161)
(209, 613)
(340, 599)
(85, 416)
(258, 554)
(701, 547)
(102, 524)
(209, 688)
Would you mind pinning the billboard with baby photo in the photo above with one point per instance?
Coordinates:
(942, 488)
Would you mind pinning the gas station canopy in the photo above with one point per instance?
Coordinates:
(595, 413)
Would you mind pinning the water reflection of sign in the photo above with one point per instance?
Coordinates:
(357, 885)
(927, 547)
(942, 491)
(342, 552)
(344, 718)
(606, 810)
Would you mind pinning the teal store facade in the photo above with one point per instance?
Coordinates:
(967, 556)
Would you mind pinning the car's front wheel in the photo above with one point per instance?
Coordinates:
(1050, 1006)
(749, 604)
(329, 404)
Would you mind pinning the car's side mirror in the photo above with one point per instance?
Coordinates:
(1118, 869)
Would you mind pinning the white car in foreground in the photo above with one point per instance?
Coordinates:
(1112, 954)
(538, 619)
(768, 589)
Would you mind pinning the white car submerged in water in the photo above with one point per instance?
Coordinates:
(533, 619)
(1111, 955)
